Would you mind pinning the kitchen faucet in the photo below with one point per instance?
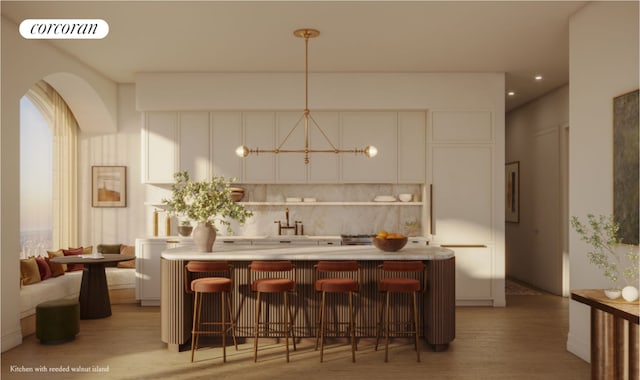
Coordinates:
(297, 227)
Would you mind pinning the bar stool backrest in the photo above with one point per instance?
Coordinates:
(406, 267)
(271, 266)
(221, 267)
(337, 266)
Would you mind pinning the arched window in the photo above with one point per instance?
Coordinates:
(48, 172)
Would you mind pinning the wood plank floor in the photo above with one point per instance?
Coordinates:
(525, 340)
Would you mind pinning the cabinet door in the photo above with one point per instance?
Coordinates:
(148, 269)
(461, 194)
(360, 129)
(226, 136)
(194, 144)
(325, 167)
(412, 146)
(290, 133)
(160, 150)
(473, 273)
(259, 132)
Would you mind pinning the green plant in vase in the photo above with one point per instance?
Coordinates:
(601, 233)
(205, 202)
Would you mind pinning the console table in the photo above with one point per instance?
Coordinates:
(614, 335)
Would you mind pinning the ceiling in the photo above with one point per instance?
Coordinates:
(519, 38)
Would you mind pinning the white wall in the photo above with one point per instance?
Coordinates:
(534, 246)
(603, 64)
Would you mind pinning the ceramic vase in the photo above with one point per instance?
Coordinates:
(630, 293)
(204, 235)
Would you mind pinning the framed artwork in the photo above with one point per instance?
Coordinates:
(109, 186)
(512, 193)
(626, 168)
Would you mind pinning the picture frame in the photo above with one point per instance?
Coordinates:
(109, 186)
(512, 192)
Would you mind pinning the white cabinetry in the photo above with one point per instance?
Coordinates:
(325, 167)
(290, 167)
(461, 217)
(159, 147)
(259, 132)
(148, 253)
(473, 273)
(194, 144)
(412, 143)
(226, 136)
(360, 129)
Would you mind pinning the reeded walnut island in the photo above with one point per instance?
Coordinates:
(437, 304)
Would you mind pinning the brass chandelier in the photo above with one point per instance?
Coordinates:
(244, 151)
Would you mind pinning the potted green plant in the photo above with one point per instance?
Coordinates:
(205, 202)
(601, 233)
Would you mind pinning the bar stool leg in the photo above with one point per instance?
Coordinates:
(256, 326)
(196, 322)
(286, 322)
(322, 315)
(233, 324)
(224, 327)
(379, 326)
(352, 329)
(415, 324)
(293, 332)
(386, 330)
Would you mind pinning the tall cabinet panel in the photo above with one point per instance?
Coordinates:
(226, 136)
(194, 144)
(259, 132)
(462, 176)
(159, 147)
(461, 194)
(379, 129)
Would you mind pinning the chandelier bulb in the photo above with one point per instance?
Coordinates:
(371, 151)
(242, 151)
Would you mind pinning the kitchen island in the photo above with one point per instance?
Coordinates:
(437, 304)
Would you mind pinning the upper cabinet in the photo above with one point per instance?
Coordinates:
(194, 135)
(361, 129)
(204, 143)
(159, 147)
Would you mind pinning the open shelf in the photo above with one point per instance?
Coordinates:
(343, 203)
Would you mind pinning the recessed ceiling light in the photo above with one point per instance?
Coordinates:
(511, 93)
(538, 77)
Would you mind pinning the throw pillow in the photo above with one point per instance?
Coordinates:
(29, 273)
(74, 252)
(109, 248)
(127, 250)
(43, 268)
(56, 268)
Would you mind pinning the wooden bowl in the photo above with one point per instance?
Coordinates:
(390, 245)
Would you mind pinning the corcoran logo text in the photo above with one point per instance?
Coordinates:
(64, 29)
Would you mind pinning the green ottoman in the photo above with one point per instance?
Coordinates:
(57, 321)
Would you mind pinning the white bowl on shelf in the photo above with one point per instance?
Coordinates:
(405, 197)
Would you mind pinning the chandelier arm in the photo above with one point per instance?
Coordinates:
(323, 133)
(290, 132)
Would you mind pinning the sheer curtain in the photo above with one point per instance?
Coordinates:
(65, 164)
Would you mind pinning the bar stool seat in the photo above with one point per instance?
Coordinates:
(208, 285)
(388, 285)
(274, 285)
(347, 285)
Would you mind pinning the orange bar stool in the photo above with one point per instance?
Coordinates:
(204, 285)
(336, 284)
(396, 284)
(284, 282)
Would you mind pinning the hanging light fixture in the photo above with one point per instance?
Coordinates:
(244, 151)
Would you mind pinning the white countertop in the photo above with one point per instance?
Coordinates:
(303, 253)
